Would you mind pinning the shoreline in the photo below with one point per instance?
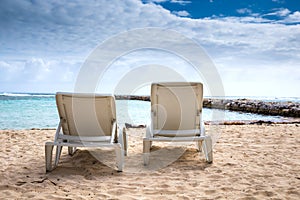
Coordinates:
(231, 122)
(228, 122)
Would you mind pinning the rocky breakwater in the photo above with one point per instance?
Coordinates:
(287, 109)
(132, 97)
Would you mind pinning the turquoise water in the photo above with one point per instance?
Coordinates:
(26, 111)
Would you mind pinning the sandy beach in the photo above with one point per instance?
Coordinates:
(250, 162)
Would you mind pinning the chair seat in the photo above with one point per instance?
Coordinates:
(176, 139)
(176, 133)
(82, 144)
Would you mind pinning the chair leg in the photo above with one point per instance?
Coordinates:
(48, 156)
(71, 150)
(58, 153)
(122, 139)
(146, 151)
(125, 141)
(199, 145)
(207, 148)
(120, 157)
(148, 134)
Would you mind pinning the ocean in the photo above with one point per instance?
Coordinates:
(32, 110)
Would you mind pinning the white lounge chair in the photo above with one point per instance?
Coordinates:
(176, 111)
(86, 120)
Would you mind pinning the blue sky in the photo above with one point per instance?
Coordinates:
(255, 44)
(269, 9)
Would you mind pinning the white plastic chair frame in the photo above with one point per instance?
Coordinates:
(195, 133)
(72, 141)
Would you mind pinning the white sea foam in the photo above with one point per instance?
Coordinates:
(8, 94)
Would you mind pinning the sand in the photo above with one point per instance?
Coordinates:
(250, 162)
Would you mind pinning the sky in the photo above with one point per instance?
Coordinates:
(254, 44)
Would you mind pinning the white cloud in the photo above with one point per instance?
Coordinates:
(4, 65)
(259, 78)
(60, 35)
(244, 11)
(278, 1)
(181, 2)
(73, 27)
(282, 12)
(293, 18)
(90, 27)
(38, 75)
(7, 71)
(156, 1)
(181, 13)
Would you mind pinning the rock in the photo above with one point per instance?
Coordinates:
(287, 109)
(127, 125)
(260, 122)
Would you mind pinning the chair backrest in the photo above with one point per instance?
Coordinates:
(86, 114)
(176, 105)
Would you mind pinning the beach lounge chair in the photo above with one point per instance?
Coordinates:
(176, 111)
(86, 120)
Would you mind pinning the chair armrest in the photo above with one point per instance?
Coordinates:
(149, 131)
(58, 130)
